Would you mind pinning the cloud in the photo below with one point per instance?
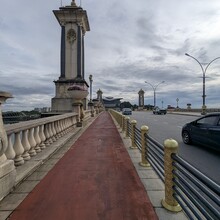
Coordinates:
(129, 43)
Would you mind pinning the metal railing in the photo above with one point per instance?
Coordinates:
(194, 189)
(155, 156)
(186, 188)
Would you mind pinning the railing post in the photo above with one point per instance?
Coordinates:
(144, 145)
(133, 125)
(126, 126)
(169, 202)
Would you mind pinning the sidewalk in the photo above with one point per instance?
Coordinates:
(95, 179)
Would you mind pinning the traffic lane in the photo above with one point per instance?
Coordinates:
(162, 127)
(204, 159)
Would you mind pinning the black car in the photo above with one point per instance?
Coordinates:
(204, 131)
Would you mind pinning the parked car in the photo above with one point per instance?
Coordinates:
(204, 131)
(126, 111)
(159, 111)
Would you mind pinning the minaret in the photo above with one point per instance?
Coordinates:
(74, 24)
(141, 99)
(99, 95)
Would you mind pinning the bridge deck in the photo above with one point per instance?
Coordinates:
(95, 179)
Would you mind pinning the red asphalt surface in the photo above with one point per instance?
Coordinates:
(94, 180)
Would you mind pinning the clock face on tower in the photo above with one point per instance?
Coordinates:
(71, 36)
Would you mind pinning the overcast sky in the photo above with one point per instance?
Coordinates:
(130, 42)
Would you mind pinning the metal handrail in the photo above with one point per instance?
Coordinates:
(207, 181)
(198, 196)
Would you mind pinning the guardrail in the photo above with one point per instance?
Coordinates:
(186, 188)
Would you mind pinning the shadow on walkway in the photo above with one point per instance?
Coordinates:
(94, 180)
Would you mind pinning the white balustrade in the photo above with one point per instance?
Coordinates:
(42, 137)
(37, 139)
(32, 142)
(50, 133)
(26, 139)
(47, 134)
(58, 129)
(19, 150)
(10, 153)
(26, 145)
(53, 131)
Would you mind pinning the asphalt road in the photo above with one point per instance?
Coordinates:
(166, 126)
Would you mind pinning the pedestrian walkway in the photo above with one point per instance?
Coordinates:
(94, 180)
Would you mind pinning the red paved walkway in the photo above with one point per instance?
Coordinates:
(95, 180)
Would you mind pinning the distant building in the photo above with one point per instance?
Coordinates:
(42, 110)
(111, 102)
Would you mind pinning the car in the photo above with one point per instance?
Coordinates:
(159, 111)
(126, 111)
(204, 131)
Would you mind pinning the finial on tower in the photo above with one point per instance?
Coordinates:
(73, 3)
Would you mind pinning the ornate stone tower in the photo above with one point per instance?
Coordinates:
(99, 95)
(141, 99)
(71, 86)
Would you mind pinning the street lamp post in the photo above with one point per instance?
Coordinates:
(90, 104)
(154, 89)
(90, 80)
(203, 80)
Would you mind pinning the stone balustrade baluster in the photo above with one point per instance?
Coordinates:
(47, 134)
(53, 131)
(59, 129)
(71, 123)
(74, 120)
(62, 127)
(37, 139)
(42, 137)
(32, 142)
(26, 145)
(10, 153)
(19, 150)
(50, 132)
(67, 126)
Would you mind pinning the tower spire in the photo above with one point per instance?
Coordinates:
(73, 3)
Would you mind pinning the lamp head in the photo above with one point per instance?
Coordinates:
(187, 54)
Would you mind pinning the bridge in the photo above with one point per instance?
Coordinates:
(83, 162)
(91, 174)
(53, 169)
